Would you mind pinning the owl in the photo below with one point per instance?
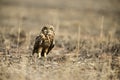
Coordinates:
(44, 42)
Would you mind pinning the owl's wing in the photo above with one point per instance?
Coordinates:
(51, 46)
(38, 42)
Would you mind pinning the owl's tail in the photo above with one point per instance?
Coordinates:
(34, 51)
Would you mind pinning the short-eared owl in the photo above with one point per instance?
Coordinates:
(44, 42)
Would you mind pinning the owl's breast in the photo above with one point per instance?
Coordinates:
(46, 42)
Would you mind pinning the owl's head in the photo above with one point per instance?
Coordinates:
(48, 30)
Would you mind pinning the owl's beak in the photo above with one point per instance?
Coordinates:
(45, 32)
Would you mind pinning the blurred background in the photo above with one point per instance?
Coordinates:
(65, 15)
(87, 39)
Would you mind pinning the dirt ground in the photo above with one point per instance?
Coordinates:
(87, 39)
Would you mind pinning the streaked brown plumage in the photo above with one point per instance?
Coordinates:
(44, 42)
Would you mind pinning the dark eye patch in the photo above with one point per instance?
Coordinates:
(45, 27)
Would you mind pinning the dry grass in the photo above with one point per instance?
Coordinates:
(98, 60)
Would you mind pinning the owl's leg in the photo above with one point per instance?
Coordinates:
(39, 52)
(45, 54)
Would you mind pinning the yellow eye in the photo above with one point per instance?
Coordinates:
(51, 29)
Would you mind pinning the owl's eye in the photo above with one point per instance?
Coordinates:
(51, 29)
